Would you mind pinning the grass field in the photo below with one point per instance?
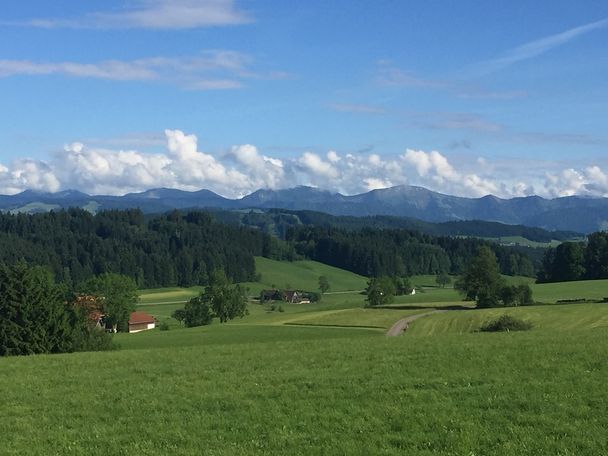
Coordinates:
(167, 295)
(303, 275)
(585, 289)
(555, 318)
(226, 390)
(324, 379)
(374, 318)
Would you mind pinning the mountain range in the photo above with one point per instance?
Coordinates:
(572, 213)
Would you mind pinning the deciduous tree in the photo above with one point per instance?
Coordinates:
(219, 299)
(118, 296)
(324, 284)
(482, 281)
(443, 279)
(380, 291)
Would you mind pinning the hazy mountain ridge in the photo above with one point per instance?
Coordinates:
(573, 213)
(279, 221)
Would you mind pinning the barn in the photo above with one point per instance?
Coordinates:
(141, 321)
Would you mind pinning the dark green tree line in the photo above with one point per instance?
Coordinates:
(378, 252)
(577, 260)
(174, 249)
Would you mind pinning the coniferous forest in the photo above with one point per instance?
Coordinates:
(577, 260)
(391, 252)
(182, 249)
(167, 250)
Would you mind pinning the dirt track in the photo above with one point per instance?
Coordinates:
(402, 324)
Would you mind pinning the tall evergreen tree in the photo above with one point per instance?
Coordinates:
(33, 314)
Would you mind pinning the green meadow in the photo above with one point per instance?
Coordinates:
(303, 275)
(323, 378)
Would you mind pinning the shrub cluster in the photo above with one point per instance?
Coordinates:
(507, 323)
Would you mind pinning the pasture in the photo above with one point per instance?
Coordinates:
(258, 389)
(302, 275)
(323, 378)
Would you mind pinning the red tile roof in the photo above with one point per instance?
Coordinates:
(139, 317)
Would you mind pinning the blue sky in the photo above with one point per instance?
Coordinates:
(463, 97)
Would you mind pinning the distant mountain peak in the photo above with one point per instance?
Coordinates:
(70, 193)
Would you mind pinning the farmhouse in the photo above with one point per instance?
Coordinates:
(291, 296)
(91, 306)
(141, 321)
(295, 297)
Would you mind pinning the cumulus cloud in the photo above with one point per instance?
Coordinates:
(242, 169)
(263, 171)
(315, 166)
(28, 174)
(437, 168)
(333, 156)
(567, 183)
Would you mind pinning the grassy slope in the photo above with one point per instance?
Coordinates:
(554, 318)
(587, 289)
(261, 386)
(167, 295)
(304, 275)
(228, 390)
(299, 275)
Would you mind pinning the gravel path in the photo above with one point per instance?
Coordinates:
(403, 324)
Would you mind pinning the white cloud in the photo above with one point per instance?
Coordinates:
(591, 180)
(333, 156)
(537, 47)
(436, 167)
(155, 14)
(522, 189)
(373, 183)
(263, 171)
(194, 169)
(28, 174)
(597, 180)
(243, 168)
(316, 167)
(209, 70)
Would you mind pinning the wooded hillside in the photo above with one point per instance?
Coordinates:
(168, 250)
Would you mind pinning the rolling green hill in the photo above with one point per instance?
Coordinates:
(303, 275)
(275, 390)
(554, 318)
(324, 379)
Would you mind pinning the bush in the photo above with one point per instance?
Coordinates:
(281, 309)
(507, 323)
(93, 339)
(163, 326)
